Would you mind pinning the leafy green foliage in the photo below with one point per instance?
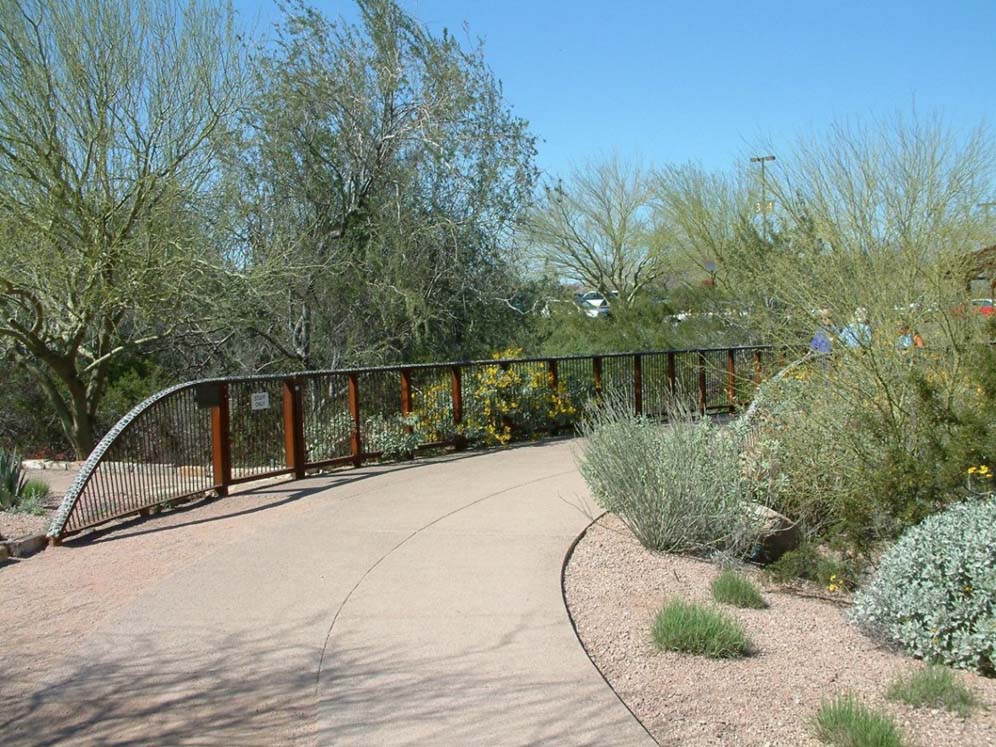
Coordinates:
(934, 592)
(933, 687)
(846, 722)
(677, 486)
(731, 588)
(693, 629)
(812, 562)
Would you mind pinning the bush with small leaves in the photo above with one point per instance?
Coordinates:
(730, 587)
(934, 592)
(846, 722)
(678, 486)
(694, 629)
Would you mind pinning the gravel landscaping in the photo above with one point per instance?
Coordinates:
(806, 651)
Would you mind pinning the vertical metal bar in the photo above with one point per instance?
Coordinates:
(355, 441)
(672, 375)
(638, 383)
(757, 368)
(554, 376)
(702, 383)
(596, 371)
(293, 428)
(731, 379)
(221, 442)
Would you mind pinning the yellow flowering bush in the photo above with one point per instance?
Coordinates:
(506, 402)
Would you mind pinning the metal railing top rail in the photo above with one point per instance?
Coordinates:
(57, 528)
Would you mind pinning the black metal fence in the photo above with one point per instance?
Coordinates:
(208, 435)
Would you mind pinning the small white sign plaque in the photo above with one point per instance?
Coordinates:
(259, 401)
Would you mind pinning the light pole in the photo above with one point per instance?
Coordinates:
(764, 197)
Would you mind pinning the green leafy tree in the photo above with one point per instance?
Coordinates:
(385, 172)
(111, 113)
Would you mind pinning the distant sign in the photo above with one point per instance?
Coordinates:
(259, 401)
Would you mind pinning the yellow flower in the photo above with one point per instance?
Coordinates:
(972, 470)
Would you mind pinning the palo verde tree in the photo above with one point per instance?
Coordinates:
(110, 115)
(384, 172)
(597, 229)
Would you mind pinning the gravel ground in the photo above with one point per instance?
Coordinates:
(807, 651)
(16, 525)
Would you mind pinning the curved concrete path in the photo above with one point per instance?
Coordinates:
(414, 605)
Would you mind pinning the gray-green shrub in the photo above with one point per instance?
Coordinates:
(934, 592)
(11, 479)
(677, 486)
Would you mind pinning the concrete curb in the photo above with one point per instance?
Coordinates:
(574, 626)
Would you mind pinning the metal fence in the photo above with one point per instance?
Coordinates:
(205, 436)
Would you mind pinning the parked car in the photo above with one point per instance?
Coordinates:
(983, 305)
(592, 304)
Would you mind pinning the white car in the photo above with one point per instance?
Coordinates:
(592, 304)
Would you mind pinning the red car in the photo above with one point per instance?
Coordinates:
(983, 305)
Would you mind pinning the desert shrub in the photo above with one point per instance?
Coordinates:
(676, 486)
(394, 437)
(860, 446)
(846, 722)
(730, 587)
(811, 562)
(693, 629)
(934, 592)
(933, 687)
(17, 493)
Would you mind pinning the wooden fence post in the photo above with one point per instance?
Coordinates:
(406, 396)
(356, 441)
(294, 447)
(221, 442)
(703, 392)
(456, 377)
(731, 379)
(554, 376)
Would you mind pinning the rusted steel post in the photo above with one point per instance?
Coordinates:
(596, 370)
(638, 384)
(293, 428)
(757, 368)
(456, 377)
(355, 441)
(551, 366)
(221, 442)
(703, 394)
(406, 396)
(731, 379)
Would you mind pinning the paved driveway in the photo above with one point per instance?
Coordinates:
(404, 605)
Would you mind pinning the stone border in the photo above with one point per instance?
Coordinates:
(23, 547)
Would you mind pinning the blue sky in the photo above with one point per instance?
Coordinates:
(702, 81)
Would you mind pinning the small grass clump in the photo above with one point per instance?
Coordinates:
(933, 687)
(694, 629)
(845, 722)
(732, 588)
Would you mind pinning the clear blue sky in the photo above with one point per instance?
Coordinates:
(678, 81)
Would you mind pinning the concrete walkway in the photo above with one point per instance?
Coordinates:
(413, 605)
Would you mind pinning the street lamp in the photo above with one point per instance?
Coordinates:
(764, 198)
